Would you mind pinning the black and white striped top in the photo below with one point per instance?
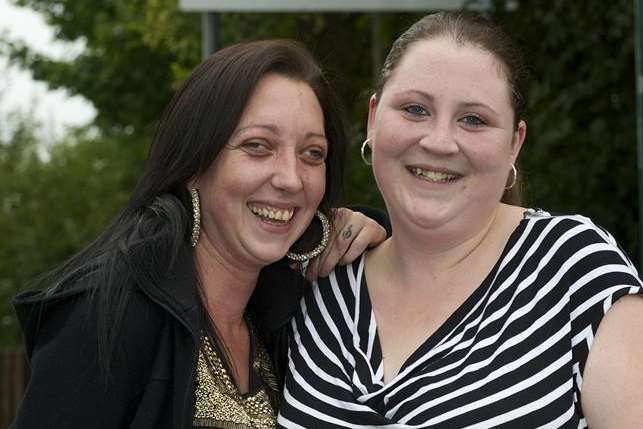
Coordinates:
(511, 356)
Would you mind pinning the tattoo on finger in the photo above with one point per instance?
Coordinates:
(348, 232)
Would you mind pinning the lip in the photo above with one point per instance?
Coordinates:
(277, 205)
(269, 225)
(433, 177)
(435, 169)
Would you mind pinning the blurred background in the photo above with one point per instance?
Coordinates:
(84, 82)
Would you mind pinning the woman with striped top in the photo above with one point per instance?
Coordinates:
(476, 312)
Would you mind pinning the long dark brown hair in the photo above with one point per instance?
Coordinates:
(145, 239)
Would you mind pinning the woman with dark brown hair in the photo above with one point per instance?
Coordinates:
(174, 316)
(476, 312)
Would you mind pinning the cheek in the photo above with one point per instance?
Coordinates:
(484, 161)
(387, 151)
(229, 182)
(220, 197)
(316, 185)
(488, 155)
(395, 135)
(387, 144)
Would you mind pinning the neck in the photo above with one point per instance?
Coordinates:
(226, 286)
(410, 258)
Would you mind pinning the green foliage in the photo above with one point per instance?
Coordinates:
(126, 70)
(579, 156)
(580, 152)
(49, 209)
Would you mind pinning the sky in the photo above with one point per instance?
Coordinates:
(56, 110)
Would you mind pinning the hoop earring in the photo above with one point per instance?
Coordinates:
(303, 257)
(363, 152)
(514, 179)
(196, 216)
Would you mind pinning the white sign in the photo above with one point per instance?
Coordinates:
(330, 5)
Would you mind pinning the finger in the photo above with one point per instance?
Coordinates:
(340, 239)
(370, 235)
(341, 243)
(349, 226)
(326, 262)
(379, 233)
(357, 247)
(312, 271)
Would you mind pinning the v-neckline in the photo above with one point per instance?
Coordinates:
(447, 326)
(255, 383)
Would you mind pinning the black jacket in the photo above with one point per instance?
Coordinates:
(151, 384)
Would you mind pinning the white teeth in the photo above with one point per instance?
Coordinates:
(432, 176)
(272, 213)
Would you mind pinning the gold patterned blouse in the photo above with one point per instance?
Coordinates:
(218, 401)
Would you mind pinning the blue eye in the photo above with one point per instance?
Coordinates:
(473, 120)
(415, 110)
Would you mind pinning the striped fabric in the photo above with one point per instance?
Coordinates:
(511, 356)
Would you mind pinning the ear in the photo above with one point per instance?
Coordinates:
(517, 140)
(372, 110)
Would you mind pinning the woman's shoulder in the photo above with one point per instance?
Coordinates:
(544, 216)
(576, 250)
(570, 251)
(47, 316)
(567, 228)
(71, 360)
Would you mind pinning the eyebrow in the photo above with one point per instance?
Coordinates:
(270, 128)
(470, 104)
(275, 130)
(422, 94)
(466, 104)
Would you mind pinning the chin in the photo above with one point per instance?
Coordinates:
(425, 217)
(269, 256)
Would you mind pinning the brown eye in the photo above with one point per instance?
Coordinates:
(315, 155)
(255, 147)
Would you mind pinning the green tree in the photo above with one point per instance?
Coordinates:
(51, 207)
(580, 152)
(579, 157)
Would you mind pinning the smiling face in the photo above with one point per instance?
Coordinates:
(442, 136)
(261, 192)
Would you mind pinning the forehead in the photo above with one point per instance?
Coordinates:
(441, 65)
(279, 98)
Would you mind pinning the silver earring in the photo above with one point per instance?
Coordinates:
(302, 257)
(196, 216)
(514, 178)
(363, 152)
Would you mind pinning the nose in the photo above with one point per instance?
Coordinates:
(286, 175)
(440, 138)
